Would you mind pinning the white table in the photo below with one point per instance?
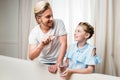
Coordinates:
(17, 69)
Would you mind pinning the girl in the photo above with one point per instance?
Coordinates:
(81, 57)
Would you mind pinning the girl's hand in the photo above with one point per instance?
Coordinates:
(62, 68)
(66, 74)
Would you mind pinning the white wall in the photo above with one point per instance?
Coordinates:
(72, 12)
(9, 27)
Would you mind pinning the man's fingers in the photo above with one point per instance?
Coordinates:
(52, 37)
(52, 69)
(46, 41)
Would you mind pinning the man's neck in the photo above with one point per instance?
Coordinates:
(44, 29)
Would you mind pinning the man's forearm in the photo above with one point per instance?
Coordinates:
(62, 53)
(35, 52)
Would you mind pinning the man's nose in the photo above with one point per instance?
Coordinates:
(51, 18)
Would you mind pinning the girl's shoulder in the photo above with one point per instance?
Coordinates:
(90, 45)
(72, 46)
(71, 50)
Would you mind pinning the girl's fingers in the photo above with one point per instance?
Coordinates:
(64, 73)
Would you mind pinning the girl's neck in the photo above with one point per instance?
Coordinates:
(81, 44)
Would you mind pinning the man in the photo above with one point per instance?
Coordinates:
(48, 40)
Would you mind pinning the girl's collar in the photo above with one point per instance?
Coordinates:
(86, 44)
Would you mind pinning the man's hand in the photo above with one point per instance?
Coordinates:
(52, 68)
(47, 39)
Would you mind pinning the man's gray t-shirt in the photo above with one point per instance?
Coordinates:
(50, 52)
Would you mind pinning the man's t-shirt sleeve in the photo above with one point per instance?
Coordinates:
(32, 38)
(61, 28)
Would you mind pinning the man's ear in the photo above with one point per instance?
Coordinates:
(38, 19)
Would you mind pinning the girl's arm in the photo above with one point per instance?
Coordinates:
(68, 72)
(84, 70)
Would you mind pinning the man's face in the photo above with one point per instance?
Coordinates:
(46, 18)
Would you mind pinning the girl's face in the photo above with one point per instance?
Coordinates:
(80, 34)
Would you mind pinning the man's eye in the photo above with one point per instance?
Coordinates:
(47, 16)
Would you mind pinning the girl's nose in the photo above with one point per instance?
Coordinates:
(74, 34)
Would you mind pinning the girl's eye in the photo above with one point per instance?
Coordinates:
(77, 31)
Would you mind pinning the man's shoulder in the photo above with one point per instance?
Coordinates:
(58, 23)
(58, 20)
(35, 29)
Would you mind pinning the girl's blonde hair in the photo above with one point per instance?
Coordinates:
(87, 28)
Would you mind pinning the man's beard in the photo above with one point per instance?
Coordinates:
(48, 24)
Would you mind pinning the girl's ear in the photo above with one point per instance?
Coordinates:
(87, 35)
